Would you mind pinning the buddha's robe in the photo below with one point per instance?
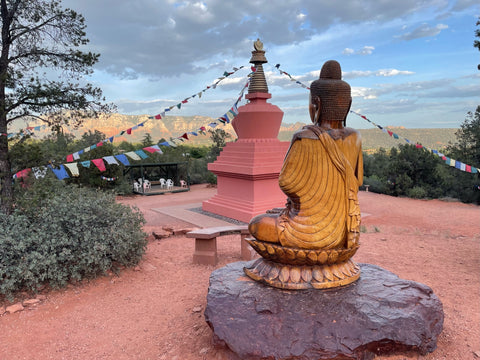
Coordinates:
(320, 175)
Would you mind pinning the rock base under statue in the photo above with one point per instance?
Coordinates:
(378, 314)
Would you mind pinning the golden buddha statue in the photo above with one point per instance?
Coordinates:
(309, 243)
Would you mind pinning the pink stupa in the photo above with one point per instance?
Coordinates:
(247, 170)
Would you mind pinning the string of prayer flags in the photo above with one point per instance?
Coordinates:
(291, 77)
(451, 162)
(108, 178)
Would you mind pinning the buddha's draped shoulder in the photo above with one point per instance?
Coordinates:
(320, 171)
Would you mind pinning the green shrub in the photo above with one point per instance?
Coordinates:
(72, 234)
(417, 192)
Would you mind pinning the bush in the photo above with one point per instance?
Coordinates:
(417, 192)
(73, 234)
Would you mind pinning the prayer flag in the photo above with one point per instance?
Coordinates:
(129, 131)
(123, 159)
(110, 160)
(60, 173)
(463, 166)
(141, 153)
(99, 164)
(76, 156)
(73, 168)
(70, 158)
(100, 144)
(39, 172)
(132, 155)
(85, 163)
(185, 136)
(158, 117)
(468, 168)
(474, 170)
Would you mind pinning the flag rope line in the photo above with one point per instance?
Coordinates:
(449, 161)
(140, 154)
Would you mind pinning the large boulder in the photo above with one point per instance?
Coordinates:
(378, 314)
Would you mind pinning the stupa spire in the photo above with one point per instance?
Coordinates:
(258, 82)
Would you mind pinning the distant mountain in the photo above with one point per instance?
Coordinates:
(175, 126)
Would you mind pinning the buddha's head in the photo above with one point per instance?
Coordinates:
(330, 96)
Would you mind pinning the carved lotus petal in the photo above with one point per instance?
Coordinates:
(295, 274)
(270, 249)
(323, 257)
(301, 255)
(284, 274)
(332, 258)
(312, 257)
(317, 273)
(261, 247)
(290, 254)
(273, 274)
(336, 271)
(306, 274)
(328, 274)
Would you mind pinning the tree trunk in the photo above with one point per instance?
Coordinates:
(6, 186)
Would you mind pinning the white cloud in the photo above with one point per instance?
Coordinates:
(423, 30)
(366, 50)
(381, 73)
(348, 51)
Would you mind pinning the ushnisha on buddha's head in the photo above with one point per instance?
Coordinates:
(330, 96)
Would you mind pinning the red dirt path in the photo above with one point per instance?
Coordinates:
(156, 310)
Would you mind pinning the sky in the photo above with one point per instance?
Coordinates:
(410, 63)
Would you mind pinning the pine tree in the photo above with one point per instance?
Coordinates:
(41, 73)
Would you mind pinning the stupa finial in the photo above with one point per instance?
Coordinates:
(258, 82)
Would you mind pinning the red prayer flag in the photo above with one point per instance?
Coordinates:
(70, 158)
(203, 128)
(150, 149)
(185, 101)
(158, 117)
(390, 133)
(418, 146)
(100, 144)
(468, 168)
(99, 164)
(129, 131)
(185, 136)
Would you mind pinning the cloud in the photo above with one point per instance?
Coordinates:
(381, 73)
(423, 30)
(366, 50)
(147, 35)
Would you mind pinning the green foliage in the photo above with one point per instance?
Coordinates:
(60, 233)
(41, 73)
(417, 173)
(416, 192)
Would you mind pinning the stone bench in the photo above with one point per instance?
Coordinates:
(206, 243)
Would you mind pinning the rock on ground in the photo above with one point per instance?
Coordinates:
(378, 314)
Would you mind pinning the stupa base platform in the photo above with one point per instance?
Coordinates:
(377, 314)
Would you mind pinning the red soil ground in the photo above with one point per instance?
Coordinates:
(156, 310)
